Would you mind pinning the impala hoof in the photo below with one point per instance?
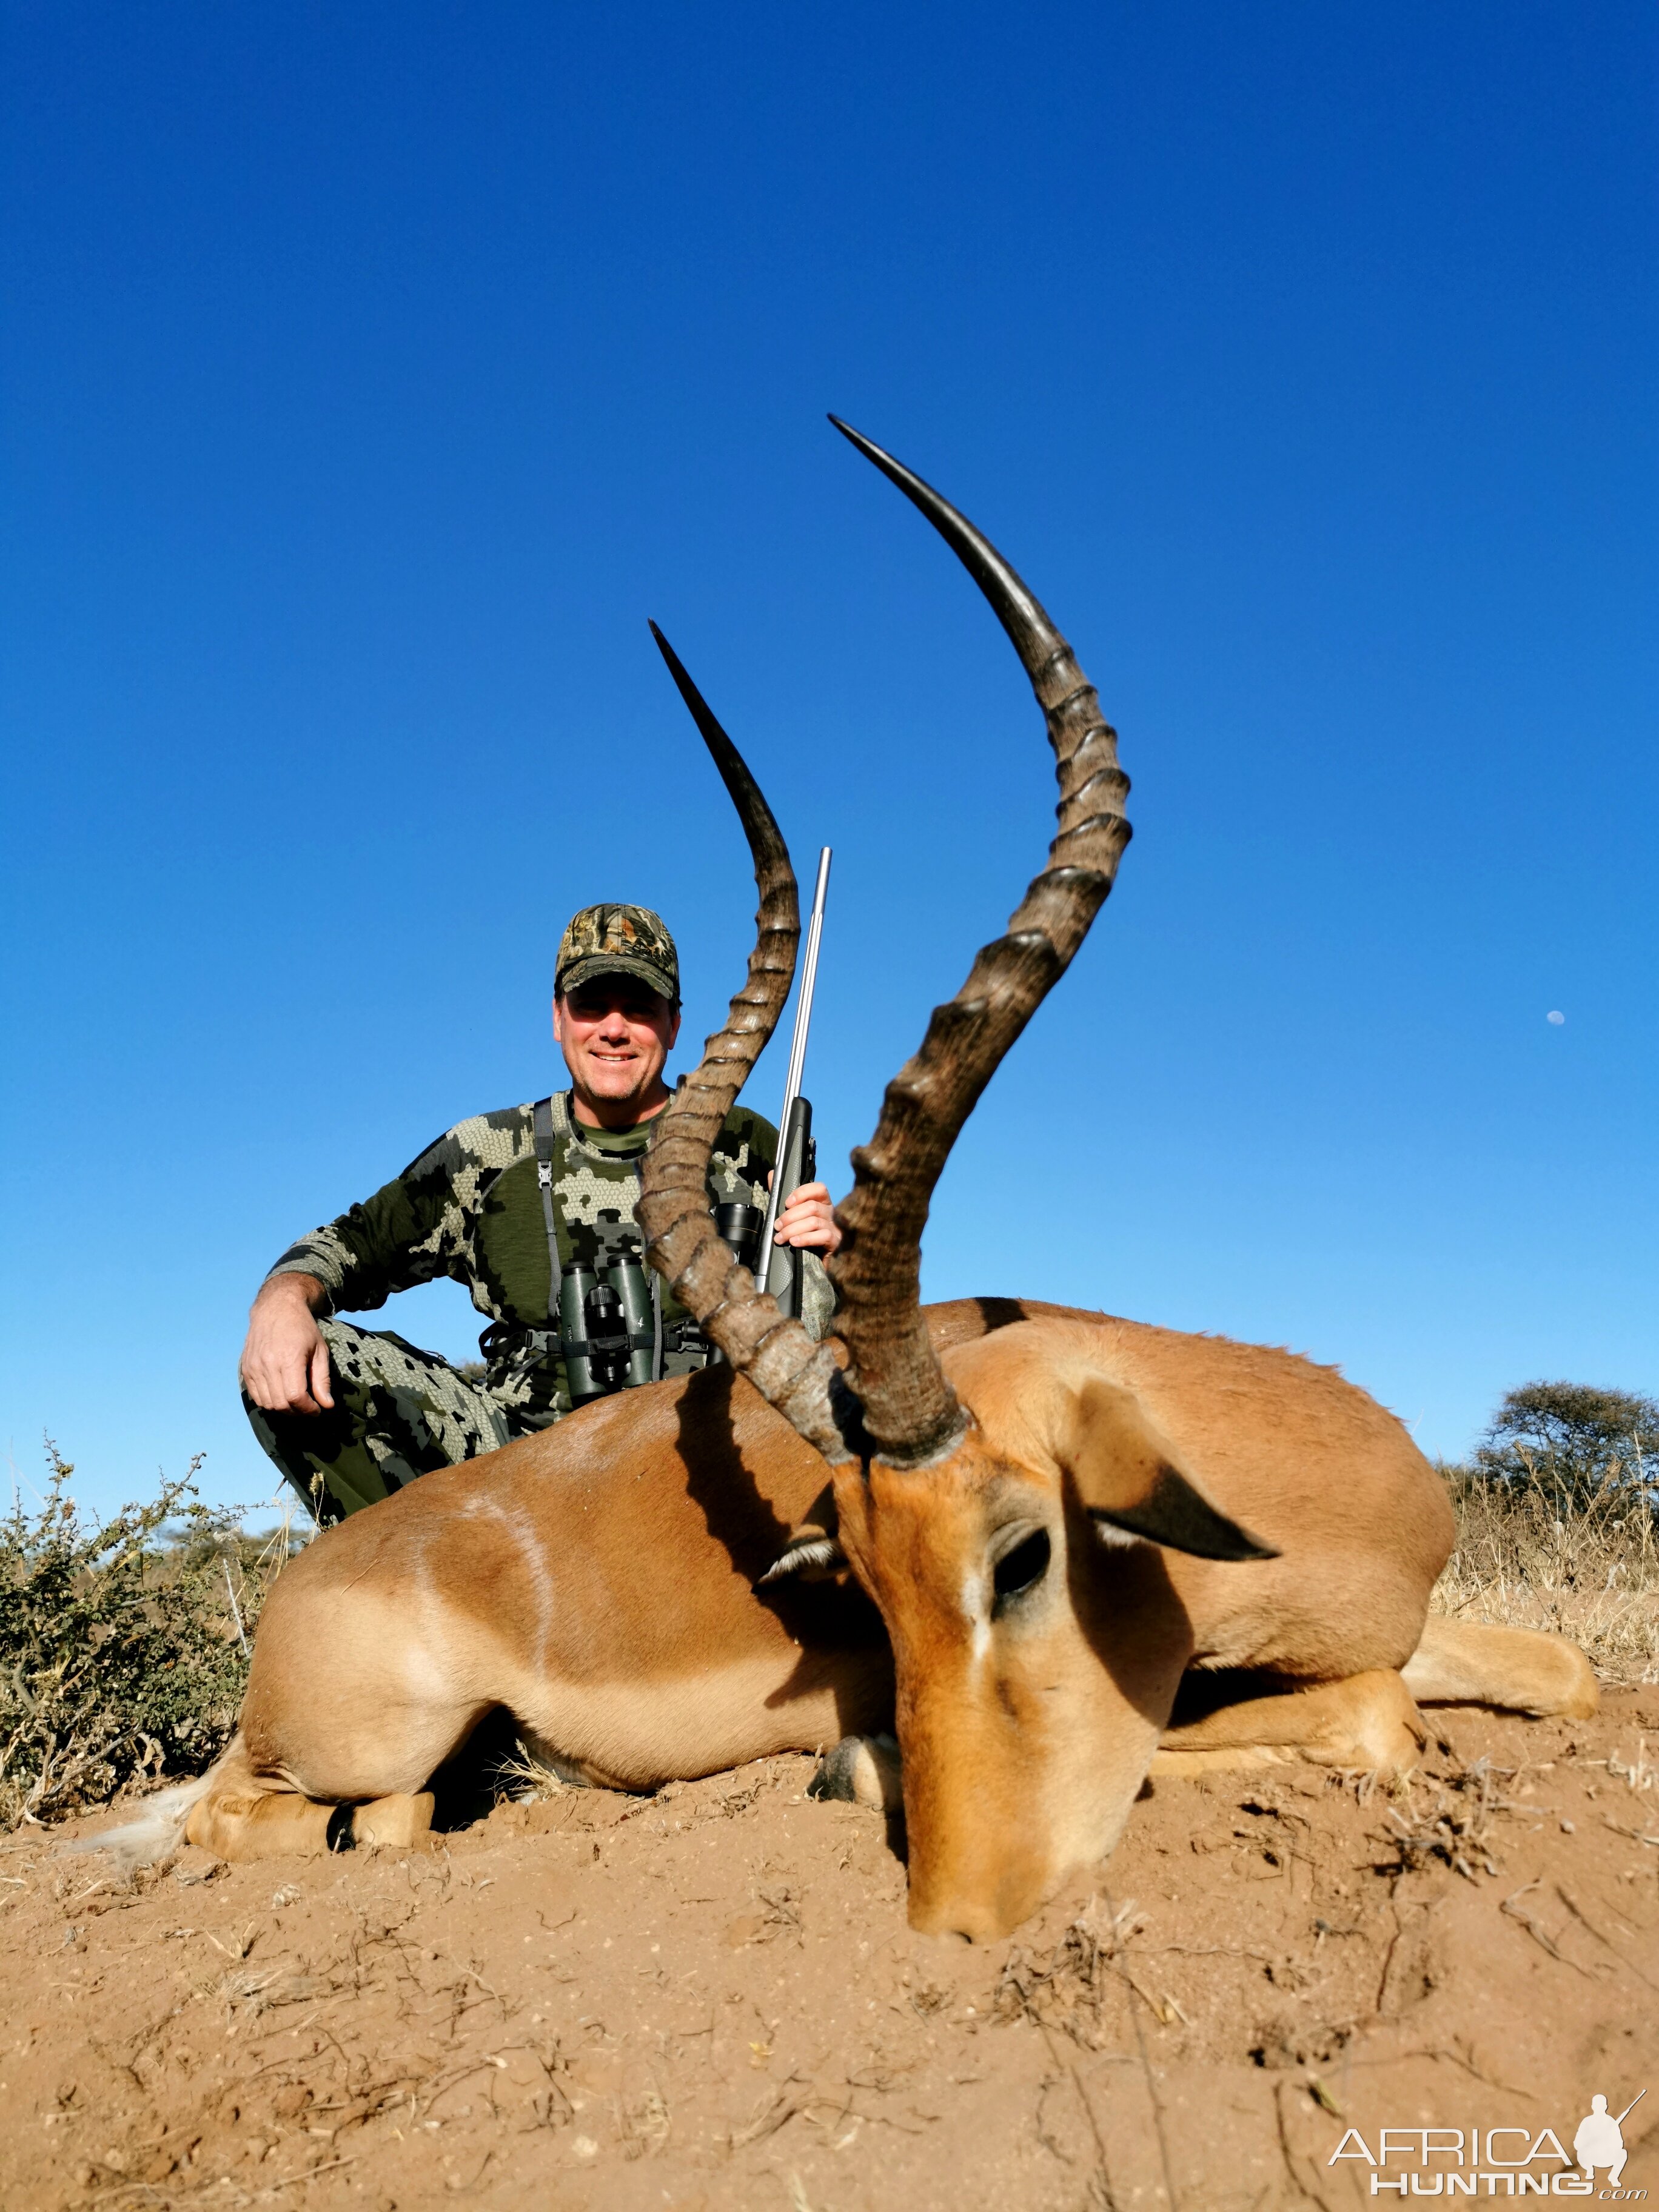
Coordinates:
(862, 1770)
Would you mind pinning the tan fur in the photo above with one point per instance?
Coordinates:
(598, 1581)
(242, 1817)
(1460, 1662)
(1368, 1721)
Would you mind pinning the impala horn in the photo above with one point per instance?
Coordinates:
(895, 1399)
(909, 1409)
(783, 1362)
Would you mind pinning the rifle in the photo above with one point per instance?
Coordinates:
(782, 1267)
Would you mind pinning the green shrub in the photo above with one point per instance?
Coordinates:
(122, 1641)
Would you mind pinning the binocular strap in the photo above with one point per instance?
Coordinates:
(542, 1122)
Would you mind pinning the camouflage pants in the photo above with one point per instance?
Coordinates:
(398, 1413)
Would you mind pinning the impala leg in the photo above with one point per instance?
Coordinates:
(1369, 1720)
(1522, 1669)
(246, 1815)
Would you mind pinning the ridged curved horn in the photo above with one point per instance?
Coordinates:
(785, 1366)
(909, 1409)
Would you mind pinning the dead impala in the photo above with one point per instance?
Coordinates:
(1007, 1532)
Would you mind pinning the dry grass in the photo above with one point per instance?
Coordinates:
(1527, 1556)
(1068, 1986)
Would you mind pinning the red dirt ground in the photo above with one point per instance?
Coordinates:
(710, 1999)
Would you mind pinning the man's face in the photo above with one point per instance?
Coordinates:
(616, 1034)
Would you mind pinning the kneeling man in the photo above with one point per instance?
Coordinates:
(351, 1414)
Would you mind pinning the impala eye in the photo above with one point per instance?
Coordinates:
(1018, 1569)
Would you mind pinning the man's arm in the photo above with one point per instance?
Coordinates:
(285, 1360)
(405, 1234)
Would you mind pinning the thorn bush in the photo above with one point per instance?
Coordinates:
(120, 1657)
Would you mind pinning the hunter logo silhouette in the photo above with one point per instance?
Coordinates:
(1599, 2140)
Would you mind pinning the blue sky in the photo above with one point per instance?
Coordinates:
(372, 373)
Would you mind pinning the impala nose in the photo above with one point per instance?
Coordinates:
(977, 1914)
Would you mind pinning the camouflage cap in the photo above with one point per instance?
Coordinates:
(618, 940)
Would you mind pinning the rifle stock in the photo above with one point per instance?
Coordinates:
(798, 1162)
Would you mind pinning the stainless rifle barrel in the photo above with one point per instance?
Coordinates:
(791, 1082)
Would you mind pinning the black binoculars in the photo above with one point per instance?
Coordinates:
(608, 1327)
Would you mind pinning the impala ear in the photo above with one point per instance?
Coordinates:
(814, 1544)
(1131, 1485)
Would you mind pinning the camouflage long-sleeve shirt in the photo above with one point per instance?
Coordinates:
(470, 1208)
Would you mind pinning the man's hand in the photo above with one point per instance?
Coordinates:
(285, 1360)
(809, 1220)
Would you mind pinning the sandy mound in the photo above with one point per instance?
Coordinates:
(711, 1998)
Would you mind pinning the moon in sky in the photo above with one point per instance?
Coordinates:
(1555, 1019)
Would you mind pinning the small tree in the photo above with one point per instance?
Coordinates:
(1573, 1438)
